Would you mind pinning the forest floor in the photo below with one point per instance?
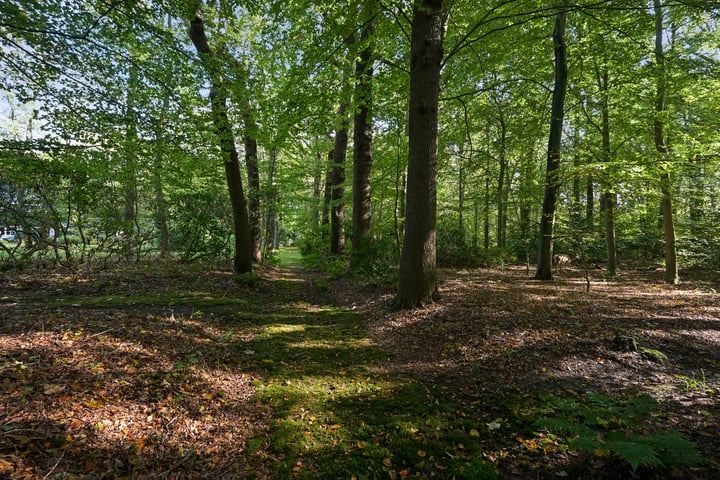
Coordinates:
(183, 372)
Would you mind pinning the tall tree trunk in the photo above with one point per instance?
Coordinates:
(253, 173)
(461, 199)
(242, 262)
(589, 202)
(486, 215)
(418, 275)
(130, 173)
(400, 171)
(337, 185)
(552, 179)
(327, 193)
(671, 267)
(608, 198)
(161, 212)
(502, 192)
(271, 221)
(362, 148)
(317, 202)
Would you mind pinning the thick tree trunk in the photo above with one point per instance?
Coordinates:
(418, 276)
(671, 267)
(242, 262)
(362, 150)
(552, 179)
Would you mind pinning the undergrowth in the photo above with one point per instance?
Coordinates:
(603, 426)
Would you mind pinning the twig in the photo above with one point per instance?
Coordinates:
(55, 466)
(184, 459)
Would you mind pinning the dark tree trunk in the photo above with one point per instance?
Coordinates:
(337, 186)
(418, 275)
(242, 262)
(552, 179)
(671, 267)
(362, 149)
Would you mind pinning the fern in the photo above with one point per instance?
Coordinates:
(635, 453)
(563, 427)
(592, 423)
(676, 449)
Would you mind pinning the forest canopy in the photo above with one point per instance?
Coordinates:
(125, 125)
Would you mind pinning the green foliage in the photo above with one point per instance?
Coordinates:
(202, 225)
(602, 425)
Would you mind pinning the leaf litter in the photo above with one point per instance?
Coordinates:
(135, 375)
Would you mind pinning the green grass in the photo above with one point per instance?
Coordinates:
(289, 257)
(338, 415)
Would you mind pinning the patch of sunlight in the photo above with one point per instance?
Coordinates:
(324, 344)
(278, 328)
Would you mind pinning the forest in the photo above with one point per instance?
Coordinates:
(359, 239)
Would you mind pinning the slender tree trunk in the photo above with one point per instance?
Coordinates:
(461, 199)
(418, 276)
(131, 194)
(502, 193)
(671, 267)
(317, 202)
(271, 221)
(161, 212)
(486, 215)
(253, 173)
(242, 262)
(337, 185)
(589, 202)
(552, 179)
(608, 198)
(362, 149)
(327, 193)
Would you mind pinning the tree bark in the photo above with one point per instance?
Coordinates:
(552, 179)
(271, 215)
(671, 267)
(327, 193)
(337, 185)
(418, 276)
(242, 262)
(253, 173)
(608, 198)
(362, 149)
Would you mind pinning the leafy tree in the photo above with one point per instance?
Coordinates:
(218, 101)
